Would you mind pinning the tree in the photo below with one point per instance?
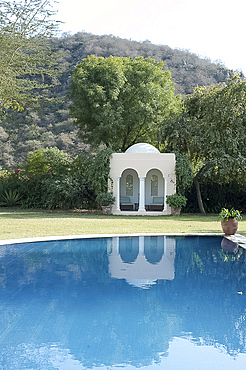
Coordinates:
(25, 55)
(47, 160)
(120, 101)
(183, 172)
(212, 131)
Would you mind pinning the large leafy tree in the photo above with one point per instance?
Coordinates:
(25, 55)
(212, 131)
(121, 101)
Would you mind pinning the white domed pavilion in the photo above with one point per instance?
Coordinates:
(142, 178)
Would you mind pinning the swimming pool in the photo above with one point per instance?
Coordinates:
(147, 302)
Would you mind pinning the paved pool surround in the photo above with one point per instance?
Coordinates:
(237, 238)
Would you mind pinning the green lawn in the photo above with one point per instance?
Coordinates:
(18, 223)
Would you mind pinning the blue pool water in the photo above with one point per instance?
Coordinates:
(130, 303)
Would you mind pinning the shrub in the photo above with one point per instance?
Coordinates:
(105, 199)
(64, 191)
(176, 201)
(46, 160)
(49, 181)
(31, 191)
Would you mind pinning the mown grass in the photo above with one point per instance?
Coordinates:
(18, 223)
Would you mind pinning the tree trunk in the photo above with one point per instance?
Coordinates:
(199, 196)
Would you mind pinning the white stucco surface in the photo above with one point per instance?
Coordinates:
(142, 165)
(142, 148)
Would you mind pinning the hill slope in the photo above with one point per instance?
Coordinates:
(22, 133)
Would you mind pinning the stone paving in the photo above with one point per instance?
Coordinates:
(238, 239)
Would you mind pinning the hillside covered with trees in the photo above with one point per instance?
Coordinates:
(50, 125)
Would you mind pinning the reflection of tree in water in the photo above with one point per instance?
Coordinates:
(213, 301)
(73, 301)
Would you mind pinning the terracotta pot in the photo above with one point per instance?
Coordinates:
(175, 211)
(229, 246)
(230, 227)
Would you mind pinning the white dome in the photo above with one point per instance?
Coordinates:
(142, 148)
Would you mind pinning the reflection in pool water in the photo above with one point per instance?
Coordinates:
(142, 261)
(129, 302)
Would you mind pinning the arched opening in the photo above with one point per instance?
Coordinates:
(153, 248)
(154, 190)
(129, 249)
(129, 190)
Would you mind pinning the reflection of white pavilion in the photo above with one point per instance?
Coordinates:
(142, 260)
(142, 178)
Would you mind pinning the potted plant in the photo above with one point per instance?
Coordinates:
(176, 202)
(229, 220)
(105, 201)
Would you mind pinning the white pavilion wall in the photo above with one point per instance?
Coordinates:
(142, 163)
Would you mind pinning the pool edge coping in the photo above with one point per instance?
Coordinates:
(237, 238)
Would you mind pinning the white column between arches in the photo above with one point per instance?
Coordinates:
(141, 245)
(142, 194)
